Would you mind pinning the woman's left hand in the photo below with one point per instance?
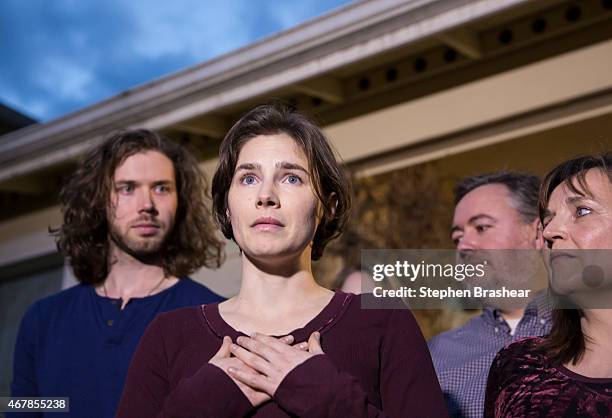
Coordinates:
(271, 359)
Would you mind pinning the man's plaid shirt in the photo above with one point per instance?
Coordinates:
(462, 356)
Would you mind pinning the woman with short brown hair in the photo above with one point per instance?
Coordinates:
(284, 345)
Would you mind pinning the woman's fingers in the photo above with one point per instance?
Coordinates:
(314, 343)
(251, 359)
(303, 346)
(262, 345)
(252, 379)
(224, 350)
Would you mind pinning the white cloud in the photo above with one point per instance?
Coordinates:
(65, 78)
(72, 53)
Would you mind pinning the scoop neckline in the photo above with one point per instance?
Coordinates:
(581, 378)
(321, 322)
(560, 369)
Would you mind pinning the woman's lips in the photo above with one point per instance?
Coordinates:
(267, 224)
(267, 227)
(556, 255)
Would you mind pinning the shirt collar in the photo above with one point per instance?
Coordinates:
(540, 307)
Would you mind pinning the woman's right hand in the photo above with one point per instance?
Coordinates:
(223, 359)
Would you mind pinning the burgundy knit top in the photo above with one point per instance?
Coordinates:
(376, 364)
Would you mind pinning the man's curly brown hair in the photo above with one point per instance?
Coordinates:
(85, 198)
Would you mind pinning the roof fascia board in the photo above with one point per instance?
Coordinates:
(531, 89)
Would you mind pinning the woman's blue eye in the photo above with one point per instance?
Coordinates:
(248, 179)
(582, 211)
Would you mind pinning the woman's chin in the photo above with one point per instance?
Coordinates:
(272, 254)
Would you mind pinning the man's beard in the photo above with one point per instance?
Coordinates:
(147, 250)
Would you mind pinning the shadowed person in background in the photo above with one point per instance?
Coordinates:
(495, 211)
(135, 223)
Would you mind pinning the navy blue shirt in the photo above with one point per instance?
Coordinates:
(78, 344)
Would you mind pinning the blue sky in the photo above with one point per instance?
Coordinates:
(59, 56)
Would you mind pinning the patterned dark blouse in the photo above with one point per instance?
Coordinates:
(523, 383)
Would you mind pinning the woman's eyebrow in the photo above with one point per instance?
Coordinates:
(249, 166)
(291, 166)
(575, 200)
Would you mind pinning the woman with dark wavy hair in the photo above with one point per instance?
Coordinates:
(135, 224)
(569, 372)
(283, 346)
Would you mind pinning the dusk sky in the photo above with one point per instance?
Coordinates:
(59, 56)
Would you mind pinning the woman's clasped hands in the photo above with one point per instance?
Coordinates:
(259, 363)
